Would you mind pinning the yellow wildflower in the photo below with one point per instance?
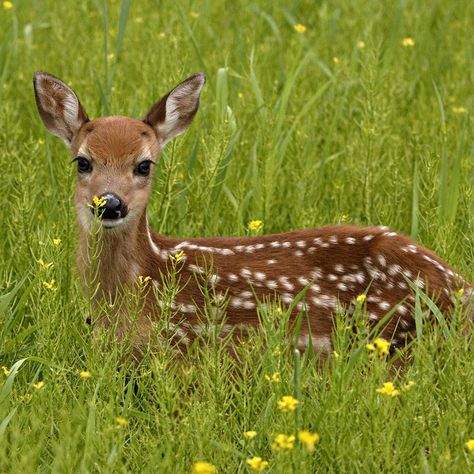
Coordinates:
(38, 385)
(299, 28)
(250, 434)
(335, 354)
(409, 385)
(7, 5)
(121, 421)
(143, 279)
(84, 374)
(98, 202)
(255, 225)
(460, 293)
(361, 299)
(203, 467)
(274, 378)
(408, 42)
(6, 372)
(382, 346)
(194, 14)
(177, 257)
(283, 442)
(361, 44)
(50, 285)
(240, 95)
(257, 463)
(287, 403)
(388, 389)
(40, 141)
(470, 445)
(336, 60)
(56, 242)
(44, 265)
(459, 110)
(308, 439)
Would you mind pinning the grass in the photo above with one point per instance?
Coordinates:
(340, 123)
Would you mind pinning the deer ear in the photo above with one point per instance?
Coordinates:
(58, 106)
(173, 113)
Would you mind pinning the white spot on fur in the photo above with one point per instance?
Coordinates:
(236, 302)
(271, 261)
(298, 253)
(245, 272)
(303, 280)
(302, 306)
(350, 240)
(272, 284)
(248, 305)
(232, 277)
(402, 309)
(283, 280)
(260, 276)
(195, 268)
(316, 273)
(213, 279)
(394, 270)
(338, 268)
(319, 343)
(287, 298)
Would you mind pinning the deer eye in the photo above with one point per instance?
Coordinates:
(83, 165)
(143, 168)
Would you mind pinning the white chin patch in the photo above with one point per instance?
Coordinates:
(110, 223)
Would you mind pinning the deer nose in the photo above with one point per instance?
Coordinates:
(110, 207)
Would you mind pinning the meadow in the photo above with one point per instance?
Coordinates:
(314, 112)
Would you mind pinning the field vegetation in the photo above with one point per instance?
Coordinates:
(314, 112)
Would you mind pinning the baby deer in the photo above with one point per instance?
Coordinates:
(115, 157)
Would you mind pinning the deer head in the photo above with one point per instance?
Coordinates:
(114, 155)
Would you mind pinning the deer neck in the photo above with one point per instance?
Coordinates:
(115, 258)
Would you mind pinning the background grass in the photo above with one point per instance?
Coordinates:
(295, 129)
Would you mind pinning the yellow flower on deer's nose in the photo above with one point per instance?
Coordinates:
(98, 201)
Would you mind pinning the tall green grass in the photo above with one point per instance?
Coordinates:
(339, 123)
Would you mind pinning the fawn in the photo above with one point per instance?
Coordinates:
(115, 157)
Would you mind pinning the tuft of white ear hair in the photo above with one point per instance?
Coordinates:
(172, 114)
(58, 106)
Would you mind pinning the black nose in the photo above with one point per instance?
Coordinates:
(111, 207)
